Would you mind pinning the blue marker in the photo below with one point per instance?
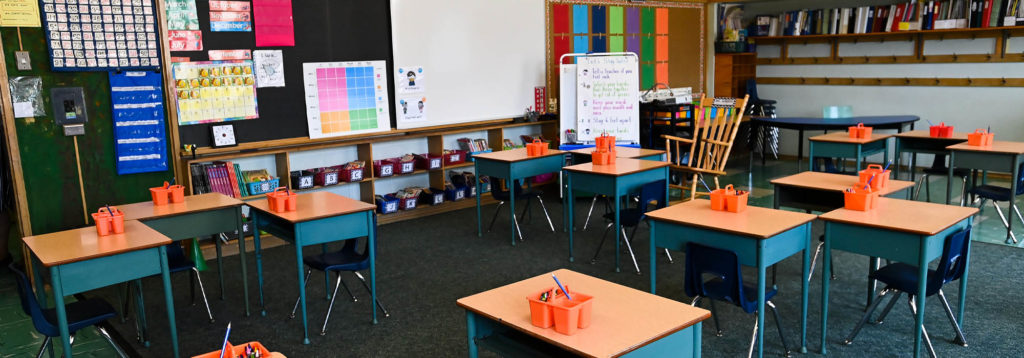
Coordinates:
(111, 212)
(704, 184)
(560, 286)
(929, 123)
(225, 345)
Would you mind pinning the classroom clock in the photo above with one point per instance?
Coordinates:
(223, 135)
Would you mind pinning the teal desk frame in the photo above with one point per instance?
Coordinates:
(751, 251)
(481, 330)
(511, 171)
(915, 146)
(985, 161)
(613, 186)
(81, 276)
(307, 233)
(895, 246)
(847, 150)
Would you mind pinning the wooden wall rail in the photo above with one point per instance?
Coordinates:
(893, 81)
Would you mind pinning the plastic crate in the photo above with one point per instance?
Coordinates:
(383, 168)
(407, 203)
(351, 175)
(432, 196)
(401, 167)
(263, 187)
(327, 176)
(388, 205)
(455, 157)
(471, 154)
(456, 194)
(235, 351)
(301, 179)
(428, 161)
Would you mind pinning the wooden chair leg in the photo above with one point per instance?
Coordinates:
(693, 188)
(716, 183)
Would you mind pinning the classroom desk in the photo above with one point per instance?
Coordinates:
(320, 218)
(79, 260)
(802, 124)
(899, 230)
(625, 322)
(583, 155)
(1001, 156)
(840, 145)
(760, 237)
(512, 165)
(921, 141)
(817, 191)
(199, 215)
(624, 177)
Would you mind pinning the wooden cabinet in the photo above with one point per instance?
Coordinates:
(732, 70)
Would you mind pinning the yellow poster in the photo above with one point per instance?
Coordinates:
(19, 13)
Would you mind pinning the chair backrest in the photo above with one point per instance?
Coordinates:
(724, 265)
(1020, 180)
(717, 123)
(751, 90)
(498, 192)
(351, 245)
(30, 305)
(953, 261)
(653, 191)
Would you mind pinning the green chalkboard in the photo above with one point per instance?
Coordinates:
(48, 157)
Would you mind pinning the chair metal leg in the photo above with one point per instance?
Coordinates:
(202, 291)
(367, 287)
(589, 212)
(952, 320)
(330, 306)
(927, 188)
(354, 299)
(714, 315)
(600, 245)
(42, 349)
(1017, 211)
(106, 335)
(518, 230)
(695, 301)
(888, 307)
(630, 248)
(296, 307)
(924, 332)
(867, 315)
(1006, 223)
(918, 185)
(496, 210)
(814, 259)
(126, 303)
(778, 325)
(963, 191)
(545, 208)
(753, 338)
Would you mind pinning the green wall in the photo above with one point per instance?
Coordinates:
(48, 157)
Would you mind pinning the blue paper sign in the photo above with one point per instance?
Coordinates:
(140, 137)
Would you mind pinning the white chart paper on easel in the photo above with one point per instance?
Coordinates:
(567, 98)
(607, 97)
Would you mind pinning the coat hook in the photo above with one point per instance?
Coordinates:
(906, 80)
(970, 81)
(803, 80)
(894, 58)
(1004, 81)
(937, 82)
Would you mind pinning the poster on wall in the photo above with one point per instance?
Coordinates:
(140, 140)
(230, 16)
(412, 109)
(607, 97)
(183, 25)
(269, 68)
(214, 91)
(344, 98)
(19, 13)
(97, 36)
(273, 20)
(410, 79)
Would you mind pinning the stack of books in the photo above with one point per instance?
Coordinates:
(905, 16)
(221, 177)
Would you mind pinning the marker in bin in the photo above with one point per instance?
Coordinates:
(562, 288)
(111, 212)
(225, 344)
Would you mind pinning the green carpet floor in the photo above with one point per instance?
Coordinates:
(425, 265)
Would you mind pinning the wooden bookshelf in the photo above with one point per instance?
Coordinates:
(732, 70)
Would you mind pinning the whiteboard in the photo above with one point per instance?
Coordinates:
(566, 99)
(483, 57)
(607, 97)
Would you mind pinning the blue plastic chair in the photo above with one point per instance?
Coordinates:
(940, 169)
(902, 278)
(503, 196)
(997, 194)
(632, 217)
(80, 314)
(346, 259)
(726, 284)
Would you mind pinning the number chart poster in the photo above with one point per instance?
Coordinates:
(344, 98)
(606, 97)
(101, 35)
(215, 91)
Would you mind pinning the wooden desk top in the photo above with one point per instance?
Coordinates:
(917, 217)
(623, 152)
(515, 155)
(621, 167)
(834, 182)
(998, 146)
(844, 137)
(316, 205)
(757, 222)
(193, 203)
(926, 134)
(64, 247)
(623, 318)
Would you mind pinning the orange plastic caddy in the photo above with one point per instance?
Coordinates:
(108, 221)
(282, 200)
(860, 131)
(980, 138)
(567, 316)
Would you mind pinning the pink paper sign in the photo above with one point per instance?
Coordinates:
(185, 40)
(273, 20)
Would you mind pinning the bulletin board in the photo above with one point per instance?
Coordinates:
(667, 36)
(325, 31)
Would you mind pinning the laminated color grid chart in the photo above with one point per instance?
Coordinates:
(344, 98)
